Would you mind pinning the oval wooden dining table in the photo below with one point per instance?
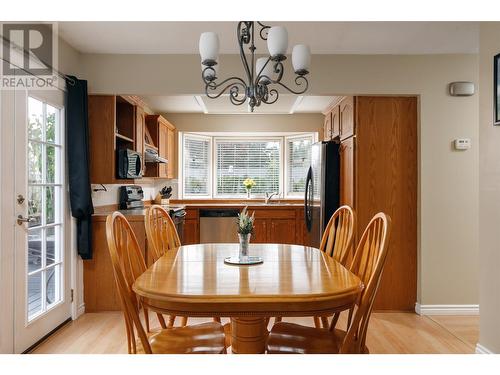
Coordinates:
(293, 280)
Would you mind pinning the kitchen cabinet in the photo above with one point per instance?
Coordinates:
(331, 127)
(99, 288)
(115, 122)
(272, 225)
(171, 153)
(346, 117)
(327, 127)
(140, 128)
(378, 172)
(162, 135)
(191, 232)
(260, 233)
(347, 172)
(335, 116)
(280, 231)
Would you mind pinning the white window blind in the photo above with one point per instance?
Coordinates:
(237, 160)
(298, 162)
(196, 172)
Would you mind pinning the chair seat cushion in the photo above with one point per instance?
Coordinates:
(297, 339)
(206, 338)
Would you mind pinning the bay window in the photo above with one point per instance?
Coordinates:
(216, 165)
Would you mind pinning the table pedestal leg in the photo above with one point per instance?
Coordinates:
(248, 335)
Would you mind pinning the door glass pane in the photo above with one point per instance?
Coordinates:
(50, 204)
(35, 119)
(52, 245)
(51, 131)
(53, 276)
(50, 160)
(35, 162)
(34, 294)
(35, 205)
(45, 288)
(34, 249)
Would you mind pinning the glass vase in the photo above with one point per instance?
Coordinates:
(248, 193)
(244, 241)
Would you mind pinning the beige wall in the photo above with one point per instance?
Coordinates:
(448, 189)
(70, 60)
(489, 193)
(195, 122)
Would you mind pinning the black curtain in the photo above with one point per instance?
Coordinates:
(77, 133)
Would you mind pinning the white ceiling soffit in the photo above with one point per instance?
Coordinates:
(286, 104)
(179, 103)
(323, 37)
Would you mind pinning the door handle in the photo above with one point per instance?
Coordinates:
(21, 219)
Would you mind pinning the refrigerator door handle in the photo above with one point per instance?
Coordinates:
(308, 198)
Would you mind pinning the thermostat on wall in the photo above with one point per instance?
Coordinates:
(462, 144)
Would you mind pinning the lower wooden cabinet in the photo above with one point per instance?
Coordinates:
(191, 232)
(272, 225)
(260, 234)
(282, 231)
(99, 288)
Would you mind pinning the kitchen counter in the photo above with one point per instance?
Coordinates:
(134, 214)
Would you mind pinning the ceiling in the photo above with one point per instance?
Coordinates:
(322, 37)
(286, 104)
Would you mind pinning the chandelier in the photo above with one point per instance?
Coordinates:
(262, 76)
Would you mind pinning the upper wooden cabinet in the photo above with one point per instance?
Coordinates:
(327, 127)
(335, 121)
(346, 117)
(162, 135)
(119, 121)
(112, 126)
(331, 127)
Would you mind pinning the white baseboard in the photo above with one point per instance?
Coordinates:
(80, 311)
(482, 350)
(446, 309)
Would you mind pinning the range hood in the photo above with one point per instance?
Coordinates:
(151, 156)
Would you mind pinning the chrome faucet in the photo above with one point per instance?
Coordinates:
(270, 195)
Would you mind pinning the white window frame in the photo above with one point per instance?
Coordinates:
(213, 137)
(210, 164)
(244, 139)
(313, 137)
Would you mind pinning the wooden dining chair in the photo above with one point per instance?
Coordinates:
(368, 265)
(128, 263)
(160, 232)
(337, 243)
(162, 236)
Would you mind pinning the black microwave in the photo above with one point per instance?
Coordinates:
(129, 164)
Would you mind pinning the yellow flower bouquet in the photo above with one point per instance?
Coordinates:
(249, 183)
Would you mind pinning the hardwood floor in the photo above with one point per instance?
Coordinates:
(99, 333)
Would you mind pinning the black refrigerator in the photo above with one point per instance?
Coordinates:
(322, 192)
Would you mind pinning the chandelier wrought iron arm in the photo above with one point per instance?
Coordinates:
(298, 82)
(244, 39)
(263, 28)
(211, 86)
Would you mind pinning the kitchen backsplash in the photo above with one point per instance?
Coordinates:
(111, 196)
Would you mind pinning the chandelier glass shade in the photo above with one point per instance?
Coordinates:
(262, 75)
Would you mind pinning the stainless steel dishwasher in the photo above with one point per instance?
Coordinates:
(218, 225)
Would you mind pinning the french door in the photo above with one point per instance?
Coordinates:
(42, 298)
